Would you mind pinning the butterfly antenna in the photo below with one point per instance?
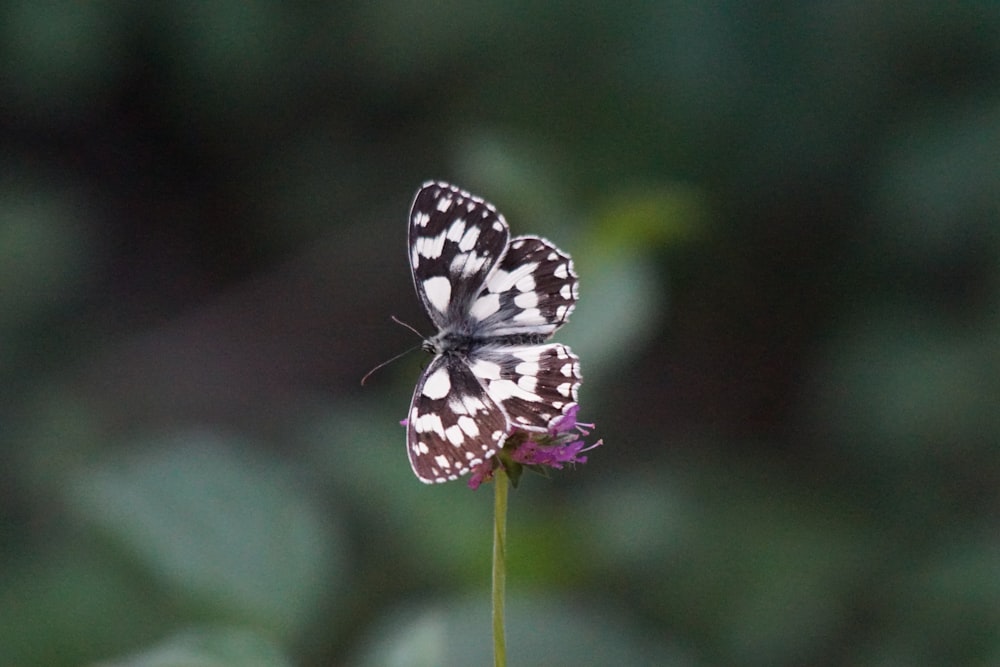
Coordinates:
(387, 362)
(405, 325)
(401, 354)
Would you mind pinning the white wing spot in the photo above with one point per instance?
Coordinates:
(503, 281)
(456, 230)
(442, 461)
(529, 368)
(525, 284)
(526, 300)
(497, 225)
(474, 405)
(528, 383)
(485, 306)
(444, 204)
(485, 370)
(528, 315)
(562, 271)
(468, 241)
(469, 425)
(501, 390)
(421, 219)
(437, 386)
(429, 422)
(454, 435)
(438, 292)
(468, 264)
(430, 246)
(565, 291)
(566, 388)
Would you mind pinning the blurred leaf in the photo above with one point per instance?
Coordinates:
(519, 175)
(641, 525)
(43, 248)
(937, 195)
(624, 293)
(57, 57)
(623, 301)
(650, 218)
(442, 530)
(897, 388)
(60, 431)
(737, 557)
(69, 604)
(943, 610)
(220, 526)
(547, 632)
(208, 648)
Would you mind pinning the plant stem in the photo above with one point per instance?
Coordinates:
(500, 485)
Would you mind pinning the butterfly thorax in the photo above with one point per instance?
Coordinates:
(451, 342)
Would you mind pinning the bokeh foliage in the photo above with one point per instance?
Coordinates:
(785, 217)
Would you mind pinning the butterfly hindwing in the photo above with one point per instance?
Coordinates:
(533, 384)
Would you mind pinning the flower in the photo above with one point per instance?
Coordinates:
(562, 444)
(482, 473)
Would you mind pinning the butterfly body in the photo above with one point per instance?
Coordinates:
(495, 301)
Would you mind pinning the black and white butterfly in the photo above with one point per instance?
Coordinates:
(495, 301)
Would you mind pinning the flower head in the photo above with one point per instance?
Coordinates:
(562, 444)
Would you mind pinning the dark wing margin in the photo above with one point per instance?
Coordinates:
(534, 384)
(533, 290)
(455, 240)
(453, 424)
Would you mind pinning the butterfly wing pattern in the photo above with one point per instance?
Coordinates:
(495, 301)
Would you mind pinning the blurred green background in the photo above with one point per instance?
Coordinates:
(785, 219)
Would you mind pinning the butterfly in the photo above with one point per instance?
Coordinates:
(494, 300)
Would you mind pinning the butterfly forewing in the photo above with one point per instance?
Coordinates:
(453, 423)
(455, 241)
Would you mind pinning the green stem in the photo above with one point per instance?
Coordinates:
(499, 565)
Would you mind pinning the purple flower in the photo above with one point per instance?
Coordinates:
(482, 473)
(562, 444)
